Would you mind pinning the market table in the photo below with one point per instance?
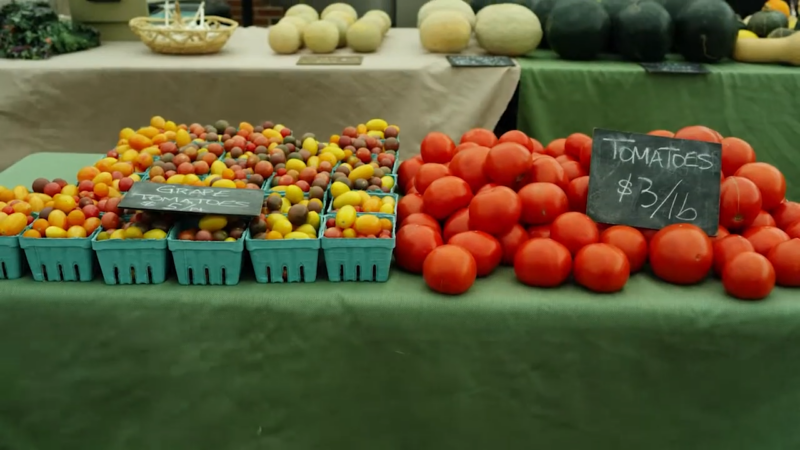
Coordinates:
(78, 102)
(754, 102)
(391, 366)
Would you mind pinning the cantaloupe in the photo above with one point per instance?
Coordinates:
(364, 36)
(445, 32)
(378, 22)
(341, 26)
(321, 36)
(508, 29)
(437, 5)
(305, 11)
(387, 21)
(343, 15)
(299, 22)
(284, 38)
(342, 7)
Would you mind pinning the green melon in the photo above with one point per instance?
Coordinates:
(706, 31)
(674, 7)
(643, 32)
(780, 32)
(578, 29)
(763, 23)
(478, 5)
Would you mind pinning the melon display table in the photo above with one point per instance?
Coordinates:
(754, 102)
(391, 366)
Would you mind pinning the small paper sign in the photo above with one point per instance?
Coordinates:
(677, 67)
(191, 199)
(330, 60)
(480, 61)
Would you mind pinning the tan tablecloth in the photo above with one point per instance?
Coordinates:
(79, 102)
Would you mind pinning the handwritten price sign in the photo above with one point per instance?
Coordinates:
(189, 199)
(651, 181)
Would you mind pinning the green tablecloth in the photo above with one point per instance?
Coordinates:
(392, 366)
(757, 103)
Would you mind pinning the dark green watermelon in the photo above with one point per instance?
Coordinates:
(643, 32)
(780, 32)
(478, 5)
(578, 29)
(763, 23)
(706, 31)
(613, 7)
(674, 7)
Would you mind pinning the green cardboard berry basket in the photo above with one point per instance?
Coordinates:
(330, 210)
(12, 260)
(60, 259)
(132, 261)
(357, 259)
(206, 262)
(298, 257)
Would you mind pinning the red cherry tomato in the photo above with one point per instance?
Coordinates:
(721, 233)
(507, 163)
(786, 214)
(422, 219)
(555, 148)
(414, 243)
(763, 219)
(728, 247)
(542, 203)
(518, 137)
(575, 231)
(765, 238)
(407, 171)
(409, 204)
(785, 259)
(662, 133)
(542, 263)
(449, 269)
(495, 211)
(484, 248)
(457, 223)
(681, 254)
(573, 169)
(437, 147)
(574, 144)
(735, 154)
(770, 182)
(427, 174)
(480, 136)
(698, 133)
(537, 146)
(539, 231)
(739, 204)
(511, 242)
(547, 170)
(578, 194)
(602, 268)
(748, 276)
(446, 196)
(468, 165)
(630, 241)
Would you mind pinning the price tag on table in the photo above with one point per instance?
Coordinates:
(330, 60)
(651, 181)
(676, 67)
(190, 199)
(480, 61)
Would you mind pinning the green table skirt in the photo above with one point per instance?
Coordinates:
(758, 103)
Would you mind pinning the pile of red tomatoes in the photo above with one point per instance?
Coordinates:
(487, 201)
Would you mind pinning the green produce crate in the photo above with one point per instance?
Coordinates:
(298, 257)
(132, 261)
(358, 259)
(65, 259)
(12, 261)
(206, 262)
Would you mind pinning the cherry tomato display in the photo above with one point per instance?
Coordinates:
(449, 269)
(785, 259)
(574, 143)
(422, 219)
(630, 241)
(437, 148)
(457, 223)
(542, 203)
(542, 263)
(446, 196)
(601, 268)
(578, 194)
(495, 211)
(518, 137)
(409, 204)
(768, 179)
(507, 164)
(765, 238)
(735, 154)
(681, 254)
(748, 276)
(427, 174)
(468, 165)
(511, 242)
(740, 203)
(480, 136)
(407, 171)
(414, 243)
(574, 230)
(486, 250)
(786, 214)
(725, 249)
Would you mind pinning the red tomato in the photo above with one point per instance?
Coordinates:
(739, 204)
(564, 158)
(464, 146)
(574, 230)
(409, 204)
(748, 276)
(586, 156)
(487, 188)
(427, 174)
(602, 268)
(648, 234)
(511, 242)
(578, 194)
(518, 137)
(468, 165)
(765, 238)
(698, 133)
(786, 214)
(663, 133)
(573, 169)
(480, 136)
(555, 148)
(785, 259)
(507, 163)
(537, 146)
(539, 231)
(735, 154)
(495, 211)
(728, 247)
(763, 219)
(484, 248)
(630, 241)
(793, 230)
(422, 219)
(449, 269)
(574, 144)
(681, 254)
(547, 170)
(437, 148)
(414, 243)
(407, 171)
(770, 182)
(446, 196)
(542, 203)
(721, 233)
(542, 263)
(457, 223)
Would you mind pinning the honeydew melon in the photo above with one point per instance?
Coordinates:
(508, 29)
(305, 11)
(321, 36)
(284, 38)
(341, 26)
(387, 21)
(437, 5)
(299, 22)
(445, 32)
(364, 36)
(342, 15)
(341, 7)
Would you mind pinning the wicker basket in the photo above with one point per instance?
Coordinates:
(183, 40)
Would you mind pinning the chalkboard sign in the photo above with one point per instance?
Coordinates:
(651, 181)
(479, 61)
(330, 60)
(676, 67)
(192, 199)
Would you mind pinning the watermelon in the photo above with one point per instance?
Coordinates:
(578, 29)
(763, 23)
(674, 7)
(706, 30)
(643, 32)
(780, 32)
(478, 5)
(613, 7)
